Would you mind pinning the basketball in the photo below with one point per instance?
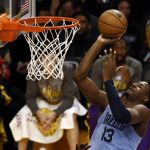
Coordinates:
(112, 24)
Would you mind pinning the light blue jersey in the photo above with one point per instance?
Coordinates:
(112, 135)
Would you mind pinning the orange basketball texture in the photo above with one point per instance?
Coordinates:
(112, 23)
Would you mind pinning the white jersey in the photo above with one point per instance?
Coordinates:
(112, 135)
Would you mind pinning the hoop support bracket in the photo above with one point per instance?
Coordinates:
(8, 29)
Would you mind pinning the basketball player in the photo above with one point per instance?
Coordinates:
(124, 120)
(132, 73)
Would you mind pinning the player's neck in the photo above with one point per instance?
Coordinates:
(129, 103)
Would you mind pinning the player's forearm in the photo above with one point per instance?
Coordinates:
(31, 95)
(120, 113)
(67, 102)
(87, 61)
(31, 103)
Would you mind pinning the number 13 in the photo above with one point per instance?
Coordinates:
(107, 134)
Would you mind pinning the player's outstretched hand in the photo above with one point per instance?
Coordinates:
(106, 41)
(109, 65)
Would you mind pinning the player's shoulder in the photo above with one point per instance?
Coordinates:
(142, 107)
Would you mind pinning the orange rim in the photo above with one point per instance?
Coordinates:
(27, 23)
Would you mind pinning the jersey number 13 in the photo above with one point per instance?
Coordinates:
(107, 134)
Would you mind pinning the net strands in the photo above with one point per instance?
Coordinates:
(48, 50)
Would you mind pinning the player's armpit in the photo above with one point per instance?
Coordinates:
(139, 114)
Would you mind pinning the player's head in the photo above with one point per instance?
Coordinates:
(121, 49)
(139, 92)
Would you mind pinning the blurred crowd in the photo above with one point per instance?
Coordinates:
(132, 51)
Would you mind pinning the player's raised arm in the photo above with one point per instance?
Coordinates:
(85, 84)
(119, 107)
(120, 113)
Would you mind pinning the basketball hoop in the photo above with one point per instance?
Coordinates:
(49, 38)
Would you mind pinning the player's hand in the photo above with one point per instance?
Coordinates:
(43, 118)
(106, 41)
(52, 116)
(109, 65)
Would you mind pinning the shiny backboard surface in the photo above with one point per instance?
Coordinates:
(18, 8)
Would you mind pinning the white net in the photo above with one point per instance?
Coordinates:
(48, 50)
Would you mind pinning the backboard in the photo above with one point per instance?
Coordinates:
(18, 8)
